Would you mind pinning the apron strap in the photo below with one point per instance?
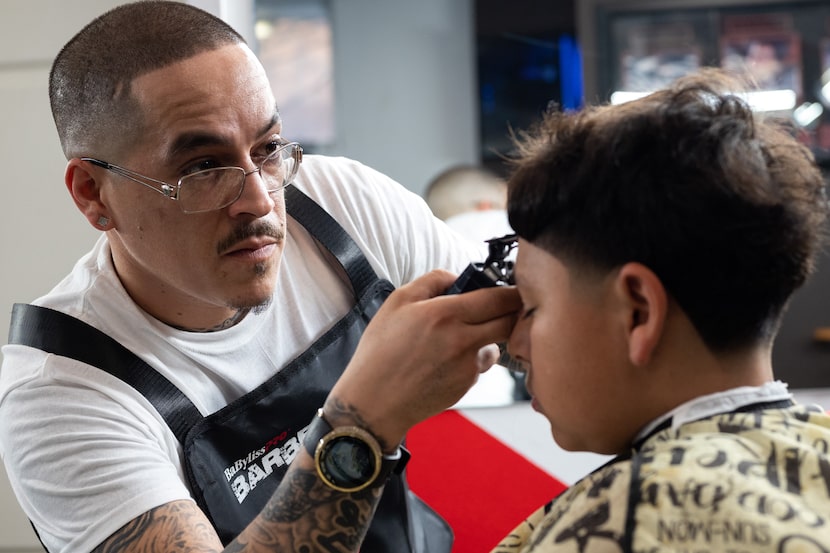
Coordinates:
(61, 334)
(331, 235)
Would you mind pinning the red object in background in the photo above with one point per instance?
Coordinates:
(481, 487)
(823, 136)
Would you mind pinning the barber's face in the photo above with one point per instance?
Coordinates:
(568, 336)
(194, 270)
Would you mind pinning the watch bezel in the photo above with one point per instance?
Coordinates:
(353, 433)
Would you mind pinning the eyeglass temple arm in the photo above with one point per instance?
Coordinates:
(161, 187)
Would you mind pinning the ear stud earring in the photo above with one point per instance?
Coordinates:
(103, 221)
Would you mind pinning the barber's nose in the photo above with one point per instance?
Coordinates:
(255, 198)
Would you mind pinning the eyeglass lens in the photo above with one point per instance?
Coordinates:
(217, 188)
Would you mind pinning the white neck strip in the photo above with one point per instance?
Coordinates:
(719, 402)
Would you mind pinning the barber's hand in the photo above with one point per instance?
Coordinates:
(420, 354)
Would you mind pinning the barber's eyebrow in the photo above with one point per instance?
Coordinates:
(190, 141)
(275, 119)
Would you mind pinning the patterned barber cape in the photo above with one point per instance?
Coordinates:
(744, 482)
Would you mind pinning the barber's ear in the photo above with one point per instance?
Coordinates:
(85, 189)
(646, 304)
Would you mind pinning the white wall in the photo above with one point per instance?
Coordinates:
(405, 85)
(404, 101)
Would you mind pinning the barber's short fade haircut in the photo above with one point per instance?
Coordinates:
(89, 84)
(726, 207)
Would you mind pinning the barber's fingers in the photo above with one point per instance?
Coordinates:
(472, 307)
(430, 285)
(487, 357)
(490, 331)
(485, 304)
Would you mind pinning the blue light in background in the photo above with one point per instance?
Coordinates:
(570, 72)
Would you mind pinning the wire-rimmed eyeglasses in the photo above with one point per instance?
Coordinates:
(218, 187)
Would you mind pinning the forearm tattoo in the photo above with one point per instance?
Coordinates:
(336, 410)
(303, 516)
(306, 516)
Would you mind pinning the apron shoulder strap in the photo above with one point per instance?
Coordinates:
(332, 236)
(61, 334)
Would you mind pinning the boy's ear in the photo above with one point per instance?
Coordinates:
(646, 304)
(81, 181)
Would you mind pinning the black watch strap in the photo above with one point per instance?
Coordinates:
(390, 464)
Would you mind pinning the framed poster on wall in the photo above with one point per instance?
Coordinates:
(765, 48)
(652, 50)
(654, 54)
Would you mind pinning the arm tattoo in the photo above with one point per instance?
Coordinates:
(178, 526)
(306, 516)
(336, 409)
(303, 516)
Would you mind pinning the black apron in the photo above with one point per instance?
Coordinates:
(236, 457)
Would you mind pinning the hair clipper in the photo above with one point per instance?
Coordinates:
(496, 270)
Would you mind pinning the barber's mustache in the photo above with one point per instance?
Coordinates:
(255, 229)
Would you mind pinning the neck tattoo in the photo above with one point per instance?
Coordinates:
(227, 323)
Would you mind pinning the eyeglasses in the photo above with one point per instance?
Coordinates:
(218, 187)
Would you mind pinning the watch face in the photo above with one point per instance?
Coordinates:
(348, 462)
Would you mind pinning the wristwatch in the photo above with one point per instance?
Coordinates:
(349, 458)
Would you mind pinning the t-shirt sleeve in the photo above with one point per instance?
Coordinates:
(84, 456)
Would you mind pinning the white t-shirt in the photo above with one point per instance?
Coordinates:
(481, 225)
(86, 453)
